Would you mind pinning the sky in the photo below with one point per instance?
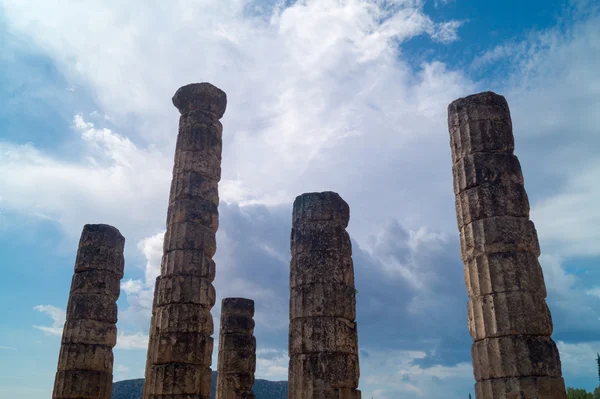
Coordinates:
(349, 96)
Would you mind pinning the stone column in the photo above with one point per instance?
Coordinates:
(513, 354)
(323, 340)
(181, 344)
(237, 350)
(85, 361)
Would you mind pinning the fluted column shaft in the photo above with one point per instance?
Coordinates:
(510, 323)
(181, 344)
(237, 350)
(323, 339)
(85, 362)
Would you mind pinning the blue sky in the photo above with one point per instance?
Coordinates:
(323, 95)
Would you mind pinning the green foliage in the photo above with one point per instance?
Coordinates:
(573, 393)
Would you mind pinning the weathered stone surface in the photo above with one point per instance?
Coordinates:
(92, 307)
(316, 207)
(184, 317)
(515, 356)
(237, 349)
(323, 299)
(91, 332)
(504, 272)
(85, 360)
(82, 384)
(85, 357)
(498, 234)
(323, 341)
(323, 334)
(188, 263)
(509, 320)
(201, 96)
(180, 348)
(179, 379)
(320, 236)
(96, 282)
(508, 313)
(192, 236)
(185, 289)
(483, 167)
(522, 388)
(489, 200)
(316, 267)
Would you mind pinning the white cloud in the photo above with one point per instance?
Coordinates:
(272, 364)
(10, 348)
(132, 341)
(58, 316)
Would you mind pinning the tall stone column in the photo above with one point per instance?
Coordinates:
(323, 339)
(181, 344)
(237, 350)
(513, 354)
(85, 362)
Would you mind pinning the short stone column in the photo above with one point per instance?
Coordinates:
(181, 345)
(513, 354)
(85, 362)
(237, 350)
(323, 339)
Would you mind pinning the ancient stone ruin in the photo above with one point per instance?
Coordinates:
(510, 323)
(237, 350)
(323, 340)
(85, 362)
(181, 344)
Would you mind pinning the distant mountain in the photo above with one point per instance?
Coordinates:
(263, 389)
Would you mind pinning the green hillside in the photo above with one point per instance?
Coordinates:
(263, 389)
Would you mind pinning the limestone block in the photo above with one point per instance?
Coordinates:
(201, 96)
(184, 317)
(489, 200)
(181, 347)
(199, 132)
(515, 356)
(326, 370)
(185, 289)
(314, 300)
(480, 123)
(193, 185)
(98, 282)
(188, 262)
(508, 313)
(233, 341)
(197, 210)
(237, 361)
(503, 272)
(522, 388)
(102, 235)
(85, 357)
(236, 324)
(99, 257)
(346, 393)
(317, 207)
(238, 306)
(320, 236)
(243, 381)
(486, 167)
(332, 267)
(323, 334)
(82, 384)
(498, 234)
(190, 236)
(92, 307)
(179, 379)
(205, 163)
(92, 332)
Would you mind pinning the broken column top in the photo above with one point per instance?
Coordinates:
(238, 306)
(480, 123)
(324, 206)
(201, 96)
(102, 235)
